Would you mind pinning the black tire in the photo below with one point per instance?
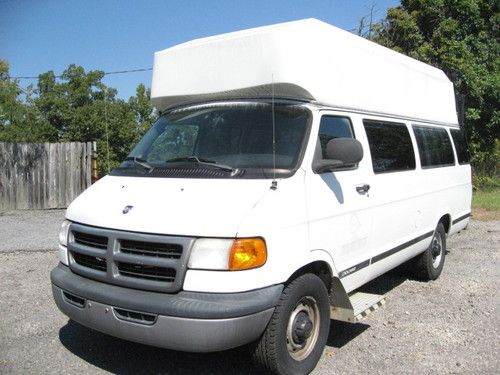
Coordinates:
(429, 264)
(302, 315)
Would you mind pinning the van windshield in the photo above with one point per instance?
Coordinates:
(226, 140)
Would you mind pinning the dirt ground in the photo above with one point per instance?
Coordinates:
(485, 215)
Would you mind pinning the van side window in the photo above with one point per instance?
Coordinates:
(390, 146)
(434, 146)
(463, 154)
(333, 127)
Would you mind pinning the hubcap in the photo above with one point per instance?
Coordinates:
(303, 328)
(436, 250)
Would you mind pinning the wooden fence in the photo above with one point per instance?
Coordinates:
(43, 175)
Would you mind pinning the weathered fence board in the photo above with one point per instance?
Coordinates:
(43, 175)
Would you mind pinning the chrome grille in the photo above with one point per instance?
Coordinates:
(129, 259)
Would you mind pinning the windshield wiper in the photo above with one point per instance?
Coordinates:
(142, 162)
(197, 160)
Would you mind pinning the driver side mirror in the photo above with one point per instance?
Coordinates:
(341, 152)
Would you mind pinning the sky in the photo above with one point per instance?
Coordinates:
(114, 35)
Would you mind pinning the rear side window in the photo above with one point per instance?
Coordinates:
(434, 146)
(463, 154)
(333, 127)
(390, 146)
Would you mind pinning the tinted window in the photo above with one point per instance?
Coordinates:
(390, 146)
(333, 127)
(434, 146)
(460, 146)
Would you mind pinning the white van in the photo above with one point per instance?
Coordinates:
(291, 164)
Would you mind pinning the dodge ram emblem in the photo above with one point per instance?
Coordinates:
(127, 209)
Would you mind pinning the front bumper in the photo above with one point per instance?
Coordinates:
(186, 321)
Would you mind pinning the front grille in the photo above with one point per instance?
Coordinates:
(91, 240)
(88, 261)
(146, 272)
(161, 250)
(129, 259)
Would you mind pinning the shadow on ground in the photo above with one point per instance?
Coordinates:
(124, 357)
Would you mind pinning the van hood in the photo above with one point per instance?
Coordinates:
(186, 207)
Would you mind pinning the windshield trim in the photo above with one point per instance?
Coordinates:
(220, 103)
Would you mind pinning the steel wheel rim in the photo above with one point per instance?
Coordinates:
(436, 250)
(298, 350)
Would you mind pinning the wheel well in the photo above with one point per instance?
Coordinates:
(446, 220)
(319, 268)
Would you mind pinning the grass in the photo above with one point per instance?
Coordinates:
(486, 204)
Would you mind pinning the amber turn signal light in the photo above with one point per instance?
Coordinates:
(247, 253)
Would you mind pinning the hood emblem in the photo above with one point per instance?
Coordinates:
(127, 209)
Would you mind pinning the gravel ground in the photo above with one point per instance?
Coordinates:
(448, 326)
(30, 230)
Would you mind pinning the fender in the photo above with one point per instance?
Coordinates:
(444, 213)
(339, 299)
(322, 256)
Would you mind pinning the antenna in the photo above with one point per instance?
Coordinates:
(274, 184)
(106, 123)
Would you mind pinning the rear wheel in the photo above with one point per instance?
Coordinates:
(297, 332)
(430, 263)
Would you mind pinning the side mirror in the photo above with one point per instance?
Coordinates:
(347, 150)
(340, 152)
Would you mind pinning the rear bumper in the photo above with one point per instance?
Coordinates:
(186, 321)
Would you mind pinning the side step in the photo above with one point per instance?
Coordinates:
(360, 305)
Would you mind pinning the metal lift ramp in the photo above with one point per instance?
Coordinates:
(354, 307)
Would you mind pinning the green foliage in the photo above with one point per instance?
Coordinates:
(486, 199)
(461, 37)
(77, 107)
(480, 179)
(486, 182)
(141, 107)
(19, 121)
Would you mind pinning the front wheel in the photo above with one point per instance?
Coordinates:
(297, 332)
(430, 263)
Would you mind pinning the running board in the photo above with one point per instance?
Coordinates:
(362, 304)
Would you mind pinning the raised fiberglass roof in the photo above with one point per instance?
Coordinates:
(306, 60)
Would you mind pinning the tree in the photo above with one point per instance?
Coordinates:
(77, 106)
(461, 37)
(19, 122)
(144, 113)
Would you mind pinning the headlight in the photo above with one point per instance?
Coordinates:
(63, 242)
(228, 254)
(63, 233)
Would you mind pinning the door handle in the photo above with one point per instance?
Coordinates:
(362, 188)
